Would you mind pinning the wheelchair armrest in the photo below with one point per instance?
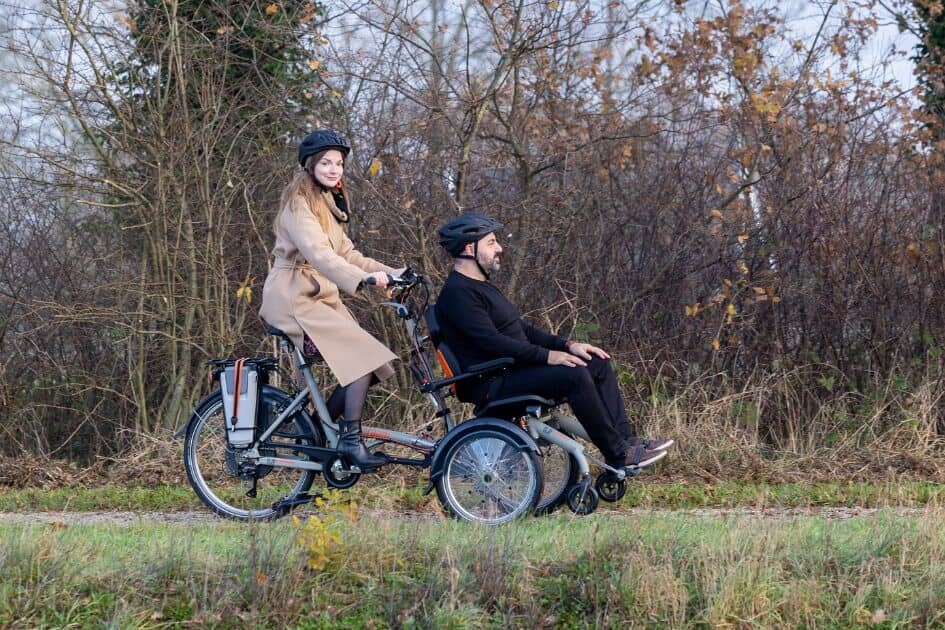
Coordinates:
(474, 370)
(489, 366)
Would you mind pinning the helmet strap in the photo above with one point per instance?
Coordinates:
(475, 258)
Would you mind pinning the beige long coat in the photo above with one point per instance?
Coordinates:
(301, 293)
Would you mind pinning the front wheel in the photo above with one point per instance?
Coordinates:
(583, 499)
(223, 477)
(489, 478)
(610, 488)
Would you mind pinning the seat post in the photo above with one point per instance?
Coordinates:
(303, 366)
(312, 384)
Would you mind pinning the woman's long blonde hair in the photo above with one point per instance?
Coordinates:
(303, 184)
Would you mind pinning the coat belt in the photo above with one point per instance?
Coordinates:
(284, 263)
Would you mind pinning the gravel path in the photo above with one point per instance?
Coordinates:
(204, 517)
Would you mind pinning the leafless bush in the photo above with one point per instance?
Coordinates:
(712, 196)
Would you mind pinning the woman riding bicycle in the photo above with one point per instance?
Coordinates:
(314, 259)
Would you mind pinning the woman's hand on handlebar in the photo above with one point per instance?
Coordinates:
(377, 278)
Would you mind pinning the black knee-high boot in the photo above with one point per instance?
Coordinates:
(353, 449)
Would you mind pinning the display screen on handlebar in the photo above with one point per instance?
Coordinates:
(405, 280)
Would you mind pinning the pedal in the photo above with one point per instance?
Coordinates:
(351, 469)
(287, 504)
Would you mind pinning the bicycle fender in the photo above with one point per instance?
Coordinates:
(198, 410)
(523, 440)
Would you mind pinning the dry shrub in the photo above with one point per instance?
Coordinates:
(37, 471)
(151, 460)
(785, 429)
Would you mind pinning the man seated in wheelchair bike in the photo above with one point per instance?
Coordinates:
(478, 324)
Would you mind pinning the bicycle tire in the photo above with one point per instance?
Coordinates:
(213, 467)
(488, 478)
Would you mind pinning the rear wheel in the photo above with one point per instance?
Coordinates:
(223, 476)
(560, 473)
(489, 478)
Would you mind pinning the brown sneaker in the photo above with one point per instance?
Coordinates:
(653, 444)
(639, 456)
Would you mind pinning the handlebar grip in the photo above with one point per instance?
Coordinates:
(373, 280)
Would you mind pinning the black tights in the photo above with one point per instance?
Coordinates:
(349, 400)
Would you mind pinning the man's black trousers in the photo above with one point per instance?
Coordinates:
(591, 391)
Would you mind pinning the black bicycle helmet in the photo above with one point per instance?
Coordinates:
(322, 140)
(466, 228)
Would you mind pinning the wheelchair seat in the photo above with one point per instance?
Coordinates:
(508, 408)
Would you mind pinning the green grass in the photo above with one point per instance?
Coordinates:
(408, 497)
(748, 494)
(605, 570)
(106, 497)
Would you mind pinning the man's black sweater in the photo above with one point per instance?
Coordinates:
(479, 324)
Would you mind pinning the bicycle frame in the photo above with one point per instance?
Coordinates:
(325, 455)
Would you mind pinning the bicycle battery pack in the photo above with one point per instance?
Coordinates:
(239, 384)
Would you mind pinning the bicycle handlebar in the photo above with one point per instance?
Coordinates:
(405, 280)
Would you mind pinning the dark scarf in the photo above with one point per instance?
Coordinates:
(336, 201)
(342, 205)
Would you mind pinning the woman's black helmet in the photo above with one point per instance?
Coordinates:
(322, 140)
(466, 228)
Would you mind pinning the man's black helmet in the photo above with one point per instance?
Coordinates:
(322, 140)
(466, 228)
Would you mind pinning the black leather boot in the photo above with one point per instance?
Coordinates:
(353, 449)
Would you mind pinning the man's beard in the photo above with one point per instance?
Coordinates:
(491, 268)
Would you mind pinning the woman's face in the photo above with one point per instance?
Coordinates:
(329, 168)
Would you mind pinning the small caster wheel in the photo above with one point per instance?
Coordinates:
(610, 488)
(582, 499)
(337, 476)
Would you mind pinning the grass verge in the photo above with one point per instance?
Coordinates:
(394, 494)
(605, 570)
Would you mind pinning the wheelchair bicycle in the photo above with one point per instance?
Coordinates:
(517, 456)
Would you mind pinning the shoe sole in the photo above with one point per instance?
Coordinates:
(669, 442)
(647, 462)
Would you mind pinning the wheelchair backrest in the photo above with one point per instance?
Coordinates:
(444, 354)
